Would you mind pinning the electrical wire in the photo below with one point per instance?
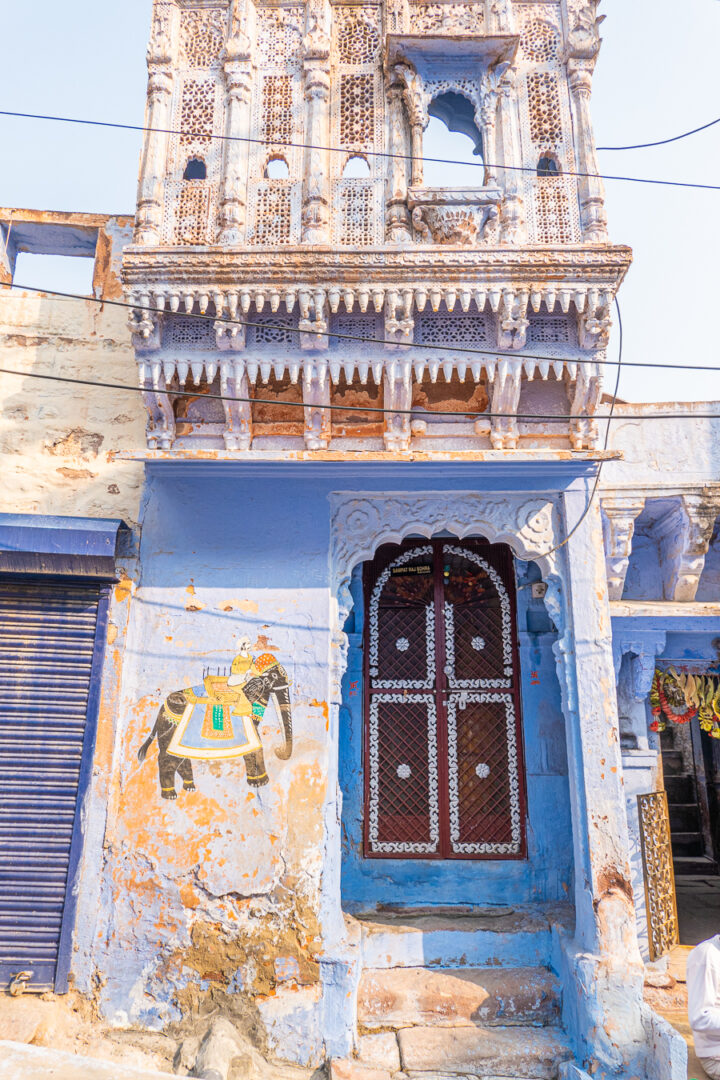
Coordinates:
(417, 414)
(663, 142)
(596, 484)
(464, 350)
(340, 150)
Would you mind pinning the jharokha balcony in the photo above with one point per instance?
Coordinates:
(268, 366)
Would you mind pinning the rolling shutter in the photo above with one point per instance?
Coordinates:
(51, 639)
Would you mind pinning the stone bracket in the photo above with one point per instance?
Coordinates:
(145, 329)
(618, 519)
(684, 535)
(645, 647)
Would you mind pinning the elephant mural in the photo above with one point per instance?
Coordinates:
(220, 719)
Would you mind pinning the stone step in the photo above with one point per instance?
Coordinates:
(680, 789)
(687, 843)
(684, 817)
(685, 865)
(403, 997)
(21, 1062)
(523, 1053)
(672, 761)
(513, 937)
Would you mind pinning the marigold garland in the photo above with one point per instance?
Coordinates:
(680, 696)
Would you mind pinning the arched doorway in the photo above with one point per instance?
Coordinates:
(443, 758)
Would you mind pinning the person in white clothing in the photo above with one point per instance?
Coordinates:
(703, 986)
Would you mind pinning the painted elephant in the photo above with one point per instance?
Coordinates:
(270, 679)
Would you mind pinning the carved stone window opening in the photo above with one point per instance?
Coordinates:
(272, 330)
(457, 113)
(357, 35)
(357, 326)
(435, 328)
(550, 192)
(181, 332)
(277, 114)
(196, 169)
(356, 123)
(197, 113)
(553, 212)
(540, 42)
(551, 330)
(276, 168)
(277, 123)
(548, 165)
(202, 37)
(356, 167)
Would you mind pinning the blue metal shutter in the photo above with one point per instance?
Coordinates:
(51, 643)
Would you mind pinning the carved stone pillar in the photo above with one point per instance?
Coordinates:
(238, 83)
(158, 120)
(413, 98)
(397, 387)
(508, 152)
(397, 222)
(238, 414)
(513, 322)
(592, 191)
(618, 517)
(316, 70)
(504, 401)
(501, 17)
(316, 398)
(153, 373)
(605, 962)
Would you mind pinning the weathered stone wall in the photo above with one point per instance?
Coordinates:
(59, 441)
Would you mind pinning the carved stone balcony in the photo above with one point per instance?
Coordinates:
(386, 369)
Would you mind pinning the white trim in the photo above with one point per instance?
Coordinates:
(428, 683)
(458, 684)
(402, 848)
(515, 846)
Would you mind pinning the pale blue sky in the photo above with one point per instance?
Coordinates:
(657, 75)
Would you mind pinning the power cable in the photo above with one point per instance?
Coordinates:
(464, 350)
(596, 484)
(663, 142)
(340, 150)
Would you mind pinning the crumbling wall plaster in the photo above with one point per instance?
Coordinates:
(60, 440)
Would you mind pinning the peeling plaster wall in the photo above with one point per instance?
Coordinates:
(663, 452)
(215, 897)
(59, 441)
(229, 897)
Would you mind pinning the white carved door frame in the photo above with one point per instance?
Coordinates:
(532, 525)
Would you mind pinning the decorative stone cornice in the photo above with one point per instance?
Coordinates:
(552, 276)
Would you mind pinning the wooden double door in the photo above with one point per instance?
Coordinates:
(443, 762)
